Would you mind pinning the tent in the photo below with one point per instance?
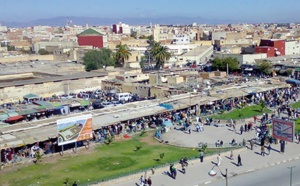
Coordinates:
(166, 106)
(14, 119)
(30, 96)
(293, 81)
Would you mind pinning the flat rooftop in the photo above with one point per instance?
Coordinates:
(79, 75)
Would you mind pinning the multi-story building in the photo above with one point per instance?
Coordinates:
(181, 39)
(91, 37)
(272, 47)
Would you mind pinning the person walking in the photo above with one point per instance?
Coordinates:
(255, 119)
(149, 181)
(189, 129)
(251, 144)
(174, 171)
(219, 160)
(233, 126)
(198, 127)
(239, 160)
(241, 129)
(201, 156)
(141, 181)
(231, 155)
(262, 150)
(269, 149)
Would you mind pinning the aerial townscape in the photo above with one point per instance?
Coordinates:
(149, 101)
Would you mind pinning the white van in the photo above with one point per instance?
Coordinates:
(123, 96)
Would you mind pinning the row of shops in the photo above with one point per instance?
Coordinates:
(37, 109)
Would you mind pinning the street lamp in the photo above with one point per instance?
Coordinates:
(291, 175)
(149, 53)
(212, 172)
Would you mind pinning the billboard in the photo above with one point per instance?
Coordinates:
(73, 129)
(283, 130)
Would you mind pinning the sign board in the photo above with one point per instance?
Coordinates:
(283, 130)
(73, 129)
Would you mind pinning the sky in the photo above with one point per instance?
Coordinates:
(235, 10)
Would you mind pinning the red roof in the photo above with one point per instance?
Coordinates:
(14, 118)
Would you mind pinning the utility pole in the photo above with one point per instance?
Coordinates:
(149, 58)
(291, 175)
(227, 69)
(226, 178)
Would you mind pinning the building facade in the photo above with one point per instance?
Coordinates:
(90, 37)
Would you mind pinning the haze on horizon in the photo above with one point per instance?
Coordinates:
(235, 10)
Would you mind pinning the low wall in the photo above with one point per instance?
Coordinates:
(13, 59)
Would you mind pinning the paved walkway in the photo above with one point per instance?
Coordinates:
(210, 135)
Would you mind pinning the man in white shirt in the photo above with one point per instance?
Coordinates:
(219, 160)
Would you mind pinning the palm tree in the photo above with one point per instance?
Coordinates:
(160, 54)
(122, 54)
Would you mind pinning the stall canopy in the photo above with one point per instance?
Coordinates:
(14, 118)
(8, 114)
(84, 103)
(27, 112)
(45, 104)
(30, 96)
(293, 81)
(166, 106)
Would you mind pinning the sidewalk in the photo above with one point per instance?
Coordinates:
(197, 173)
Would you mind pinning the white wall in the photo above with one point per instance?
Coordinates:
(292, 47)
(243, 58)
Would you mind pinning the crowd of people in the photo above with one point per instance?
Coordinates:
(278, 99)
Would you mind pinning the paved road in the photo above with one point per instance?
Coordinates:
(278, 175)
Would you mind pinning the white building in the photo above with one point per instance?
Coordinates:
(181, 39)
(292, 47)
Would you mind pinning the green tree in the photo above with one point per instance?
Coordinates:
(217, 63)
(43, 51)
(95, 59)
(221, 64)
(159, 53)
(233, 63)
(122, 54)
(265, 67)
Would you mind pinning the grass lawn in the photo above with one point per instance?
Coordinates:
(102, 163)
(246, 112)
(297, 126)
(296, 105)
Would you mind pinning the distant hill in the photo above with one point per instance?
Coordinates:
(93, 21)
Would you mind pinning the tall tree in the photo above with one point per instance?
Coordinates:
(122, 54)
(265, 67)
(217, 63)
(233, 63)
(95, 59)
(159, 53)
(221, 64)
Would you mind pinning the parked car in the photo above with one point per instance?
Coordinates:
(107, 104)
(115, 103)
